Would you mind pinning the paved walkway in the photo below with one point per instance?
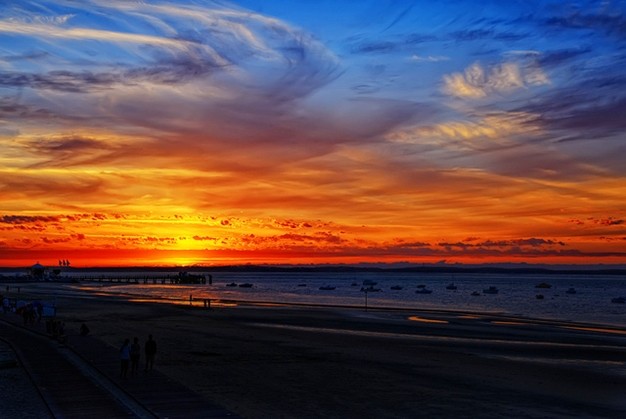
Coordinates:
(19, 398)
(80, 379)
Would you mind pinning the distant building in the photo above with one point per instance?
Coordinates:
(38, 271)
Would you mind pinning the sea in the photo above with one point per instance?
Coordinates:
(590, 298)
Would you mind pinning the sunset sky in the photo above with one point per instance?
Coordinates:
(197, 132)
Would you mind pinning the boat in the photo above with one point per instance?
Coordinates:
(326, 288)
(369, 282)
(491, 290)
(475, 294)
(539, 296)
(396, 287)
(302, 285)
(354, 284)
(618, 300)
(232, 284)
(370, 289)
(421, 286)
(571, 291)
(543, 285)
(245, 285)
(451, 287)
(423, 291)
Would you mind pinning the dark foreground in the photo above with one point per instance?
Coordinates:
(261, 362)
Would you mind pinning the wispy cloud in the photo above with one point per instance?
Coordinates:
(196, 70)
(611, 23)
(429, 58)
(500, 127)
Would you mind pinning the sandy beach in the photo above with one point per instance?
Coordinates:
(308, 362)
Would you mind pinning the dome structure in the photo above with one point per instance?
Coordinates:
(37, 271)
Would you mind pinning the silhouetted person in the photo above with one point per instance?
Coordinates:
(6, 305)
(39, 310)
(150, 349)
(135, 353)
(84, 330)
(124, 358)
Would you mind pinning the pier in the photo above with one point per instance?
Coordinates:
(182, 278)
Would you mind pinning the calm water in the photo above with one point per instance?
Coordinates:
(517, 292)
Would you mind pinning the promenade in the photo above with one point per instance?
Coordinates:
(79, 378)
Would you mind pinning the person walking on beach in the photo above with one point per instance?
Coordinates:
(151, 349)
(124, 358)
(6, 305)
(135, 353)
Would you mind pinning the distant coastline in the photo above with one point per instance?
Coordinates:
(521, 269)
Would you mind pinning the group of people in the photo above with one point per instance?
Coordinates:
(130, 353)
(31, 312)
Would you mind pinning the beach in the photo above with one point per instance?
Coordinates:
(261, 361)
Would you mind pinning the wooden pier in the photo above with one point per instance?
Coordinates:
(173, 279)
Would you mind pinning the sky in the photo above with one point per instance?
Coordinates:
(314, 131)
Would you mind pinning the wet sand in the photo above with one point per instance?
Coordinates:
(311, 362)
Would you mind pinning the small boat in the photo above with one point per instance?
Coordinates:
(232, 284)
(396, 287)
(421, 286)
(369, 282)
(354, 284)
(539, 296)
(423, 291)
(475, 294)
(246, 285)
(302, 285)
(543, 285)
(491, 290)
(618, 300)
(571, 291)
(326, 288)
(451, 287)
(370, 289)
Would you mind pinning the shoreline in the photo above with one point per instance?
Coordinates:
(229, 302)
(575, 299)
